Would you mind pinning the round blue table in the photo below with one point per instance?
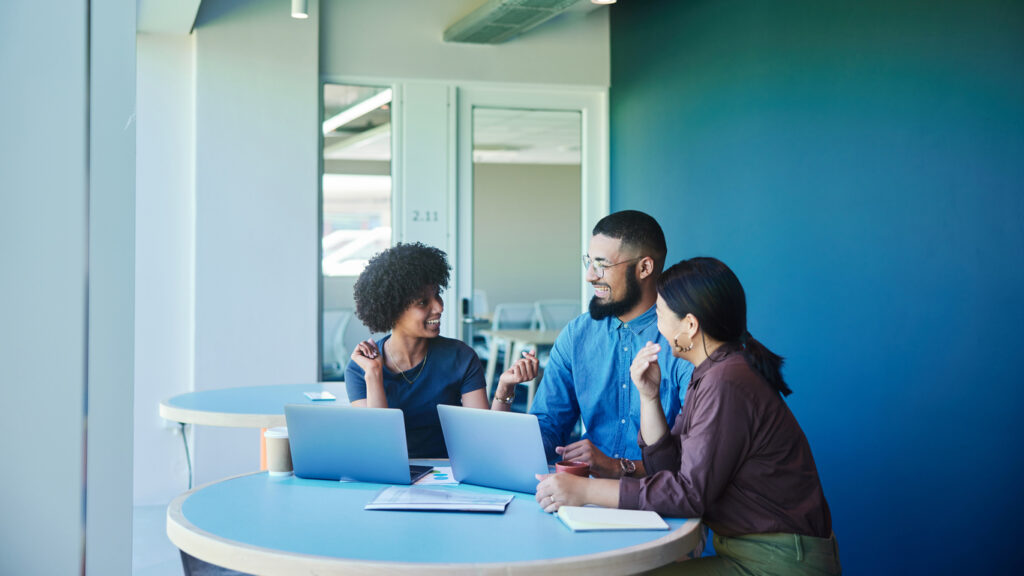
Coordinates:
(245, 406)
(260, 524)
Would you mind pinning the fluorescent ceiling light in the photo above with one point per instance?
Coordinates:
(349, 114)
(602, 2)
(300, 9)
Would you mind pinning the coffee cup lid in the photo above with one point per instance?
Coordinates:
(278, 432)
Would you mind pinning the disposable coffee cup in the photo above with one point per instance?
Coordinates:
(573, 467)
(279, 454)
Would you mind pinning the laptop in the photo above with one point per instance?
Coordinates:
(349, 443)
(496, 449)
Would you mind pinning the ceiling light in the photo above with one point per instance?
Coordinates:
(300, 9)
(361, 109)
(602, 2)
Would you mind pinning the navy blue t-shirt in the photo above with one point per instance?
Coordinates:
(451, 369)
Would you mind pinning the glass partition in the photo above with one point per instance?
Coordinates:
(355, 210)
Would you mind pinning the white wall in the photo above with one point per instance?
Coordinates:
(403, 39)
(111, 321)
(43, 247)
(67, 177)
(164, 259)
(256, 212)
(526, 231)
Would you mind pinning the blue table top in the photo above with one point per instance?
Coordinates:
(326, 519)
(245, 406)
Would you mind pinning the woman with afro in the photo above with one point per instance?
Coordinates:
(413, 367)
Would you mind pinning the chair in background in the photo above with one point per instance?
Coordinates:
(555, 314)
(515, 316)
(334, 353)
(506, 316)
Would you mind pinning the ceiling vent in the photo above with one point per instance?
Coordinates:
(499, 20)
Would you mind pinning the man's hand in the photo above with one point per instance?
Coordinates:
(601, 466)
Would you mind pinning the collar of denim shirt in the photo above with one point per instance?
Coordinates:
(636, 325)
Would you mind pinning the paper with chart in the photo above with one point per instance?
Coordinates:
(417, 498)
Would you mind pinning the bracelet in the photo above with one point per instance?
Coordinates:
(508, 399)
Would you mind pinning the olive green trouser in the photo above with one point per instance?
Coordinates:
(764, 555)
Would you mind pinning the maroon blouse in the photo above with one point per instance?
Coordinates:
(735, 457)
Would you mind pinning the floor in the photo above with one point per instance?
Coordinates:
(152, 553)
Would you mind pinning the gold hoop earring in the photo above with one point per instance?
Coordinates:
(675, 342)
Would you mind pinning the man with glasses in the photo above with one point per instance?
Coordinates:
(587, 375)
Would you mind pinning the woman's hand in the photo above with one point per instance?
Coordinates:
(368, 357)
(556, 490)
(524, 370)
(646, 373)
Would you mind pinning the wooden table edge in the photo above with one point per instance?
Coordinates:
(225, 419)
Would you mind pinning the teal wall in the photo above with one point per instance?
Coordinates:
(860, 165)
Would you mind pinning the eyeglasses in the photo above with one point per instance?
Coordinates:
(600, 267)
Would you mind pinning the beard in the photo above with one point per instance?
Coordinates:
(600, 310)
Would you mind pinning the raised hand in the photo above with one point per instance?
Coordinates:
(524, 370)
(368, 357)
(646, 373)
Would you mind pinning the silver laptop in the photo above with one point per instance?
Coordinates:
(349, 443)
(497, 449)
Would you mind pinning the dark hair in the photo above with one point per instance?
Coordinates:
(394, 278)
(637, 230)
(708, 289)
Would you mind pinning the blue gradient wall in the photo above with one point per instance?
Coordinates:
(860, 165)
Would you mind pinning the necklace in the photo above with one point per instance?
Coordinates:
(418, 372)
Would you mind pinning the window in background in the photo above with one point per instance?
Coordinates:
(356, 209)
(357, 177)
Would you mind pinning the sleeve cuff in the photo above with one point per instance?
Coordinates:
(629, 493)
(658, 456)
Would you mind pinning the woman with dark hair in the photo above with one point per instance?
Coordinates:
(413, 367)
(735, 456)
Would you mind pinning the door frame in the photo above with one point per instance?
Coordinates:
(590, 102)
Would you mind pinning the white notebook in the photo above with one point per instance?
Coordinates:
(585, 518)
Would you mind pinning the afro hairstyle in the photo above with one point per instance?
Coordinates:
(394, 279)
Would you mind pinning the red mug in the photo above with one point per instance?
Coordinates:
(573, 467)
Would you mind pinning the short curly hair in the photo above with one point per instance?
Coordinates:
(394, 278)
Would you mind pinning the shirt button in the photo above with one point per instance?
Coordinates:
(623, 421)
(623, 385)
(625, 348)
(616, 456)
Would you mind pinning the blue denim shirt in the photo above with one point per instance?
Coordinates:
(588, 375)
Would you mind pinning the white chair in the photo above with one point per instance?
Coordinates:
(555, 314)
(334, 354)
(514, 316)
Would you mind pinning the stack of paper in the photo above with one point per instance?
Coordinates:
(584, 518)
(415, 498)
